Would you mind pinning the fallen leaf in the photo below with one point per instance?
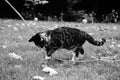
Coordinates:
(15, 28)
(50, 70)
(38, 78)
(17, 24)
(20, 37)
(23, 24)
(4, 46)
(9, 26)
(15, 56)
(112, 46)
(18, 66)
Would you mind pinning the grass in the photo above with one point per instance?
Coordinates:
(13, 38)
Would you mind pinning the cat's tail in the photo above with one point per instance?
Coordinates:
(95, 42)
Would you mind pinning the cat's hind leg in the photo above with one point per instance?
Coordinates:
(77, 51)
(73, 57)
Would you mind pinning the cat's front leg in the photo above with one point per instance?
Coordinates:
(47, 57)
(49, 52)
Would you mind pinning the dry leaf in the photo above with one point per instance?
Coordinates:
(38, 78)
(50, 70)
(15, 28)
(4, 46)
(15, 56)
(20, 37)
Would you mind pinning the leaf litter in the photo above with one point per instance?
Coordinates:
(15, 56)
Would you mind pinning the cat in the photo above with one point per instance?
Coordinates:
(64, 38)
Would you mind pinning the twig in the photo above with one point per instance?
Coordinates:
(92, 60)
(99, 60)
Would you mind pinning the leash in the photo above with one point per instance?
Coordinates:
(19, 15)
(83, 61)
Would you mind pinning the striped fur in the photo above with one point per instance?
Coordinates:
(64, 37)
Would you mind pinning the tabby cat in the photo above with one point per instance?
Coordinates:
(64, 38)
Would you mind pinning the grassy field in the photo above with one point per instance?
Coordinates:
(14, 37)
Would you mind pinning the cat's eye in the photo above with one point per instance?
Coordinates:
(41, 39)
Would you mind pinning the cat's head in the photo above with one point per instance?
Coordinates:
(40, 39)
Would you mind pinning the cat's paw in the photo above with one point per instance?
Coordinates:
(47, 57)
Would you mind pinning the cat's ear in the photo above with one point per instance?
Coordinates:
(31, 39)
(34, 37)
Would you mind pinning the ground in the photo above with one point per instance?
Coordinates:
(98, 63)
